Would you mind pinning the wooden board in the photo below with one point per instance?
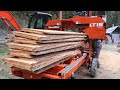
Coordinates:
(51, 65)
(25, 41)
(34, 42)
(27, 54)
(35, 48)
(38, 50)
(20, 53)
(53, 32)
(42, 61)
(28, 35)
(44, 37)
(64, 40)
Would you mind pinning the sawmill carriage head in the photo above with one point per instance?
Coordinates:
(91, 23)
(83, 21)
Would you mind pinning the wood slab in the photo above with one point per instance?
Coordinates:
(25, 41)
(34, 42)
(28, 54)
(53, 32)
(44, 37)
(40, 47)
(50, 66)
(42, 61)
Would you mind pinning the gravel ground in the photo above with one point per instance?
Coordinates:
(109, 65)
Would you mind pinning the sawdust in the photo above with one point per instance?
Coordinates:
(109, 65)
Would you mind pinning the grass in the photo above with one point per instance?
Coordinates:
(3, 68)
(4, 51)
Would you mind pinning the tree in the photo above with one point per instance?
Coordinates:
(113, 17)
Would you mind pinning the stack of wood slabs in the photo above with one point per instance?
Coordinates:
(38, 50)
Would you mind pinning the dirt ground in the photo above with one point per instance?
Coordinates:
(109, 65)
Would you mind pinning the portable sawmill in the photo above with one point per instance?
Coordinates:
(94, 27)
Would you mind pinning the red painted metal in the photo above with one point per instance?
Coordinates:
(94, 28)
(55, 70)
(52, 73)
(95, 33)
(87, 20)
(53, 22)
(89, 13)
(68, 74)
(5, 15)
(8, 26)
(30, 75)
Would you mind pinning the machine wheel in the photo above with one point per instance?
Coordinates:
(72, 76)
(93, 67)
(119, 50)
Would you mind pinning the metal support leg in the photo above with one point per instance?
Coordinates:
(72, 76)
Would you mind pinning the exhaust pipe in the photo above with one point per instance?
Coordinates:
(60, 15)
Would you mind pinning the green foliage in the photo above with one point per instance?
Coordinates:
(113, 17)
(22, 17)
(67, 14)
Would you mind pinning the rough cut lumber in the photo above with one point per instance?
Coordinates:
(53, 32)
(44, 37)
(63, 40)
(27, 54)
(25, 41)
(41, 61)
(28, 35)
(36, 48)
(50, 66)
(20, 53)
(28, 41)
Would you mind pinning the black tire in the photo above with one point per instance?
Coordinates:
(72, 76)
(98, 65)
(93, 68)
(119, 50)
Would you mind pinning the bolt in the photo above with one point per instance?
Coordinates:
(30, 76)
